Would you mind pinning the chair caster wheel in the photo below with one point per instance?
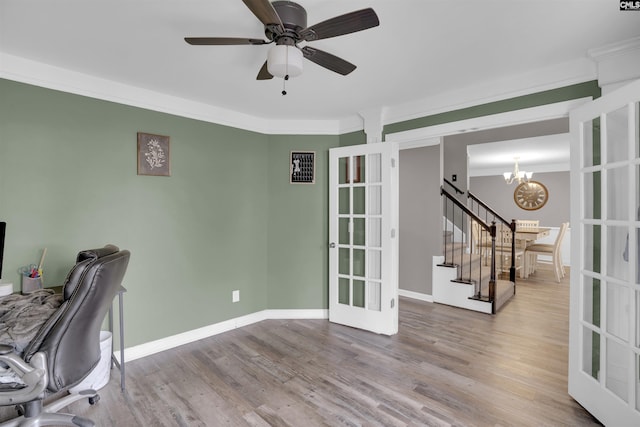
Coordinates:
(94, 399)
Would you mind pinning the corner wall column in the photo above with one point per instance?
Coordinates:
(372, 124)
(618, 64)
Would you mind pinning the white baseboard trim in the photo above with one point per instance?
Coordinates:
(415, 295)
(167, 343)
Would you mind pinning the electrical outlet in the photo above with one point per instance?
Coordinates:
(235, 296)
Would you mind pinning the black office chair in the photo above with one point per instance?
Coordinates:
(67, 346)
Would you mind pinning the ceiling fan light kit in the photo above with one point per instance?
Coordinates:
(285, 24)
(284, 61)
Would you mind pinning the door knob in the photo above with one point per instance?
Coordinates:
(332, 245)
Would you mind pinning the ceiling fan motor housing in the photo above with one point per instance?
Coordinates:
(294, 19)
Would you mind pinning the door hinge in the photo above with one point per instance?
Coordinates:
(393, 233)
(393, 302)
(393, 162)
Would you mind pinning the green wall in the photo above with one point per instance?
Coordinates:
(298, 226)
(68, 182)
(226, 219)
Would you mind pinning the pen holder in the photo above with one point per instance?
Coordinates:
(30, 284)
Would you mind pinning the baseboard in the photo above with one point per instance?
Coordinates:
(415, 295)
(152, 347)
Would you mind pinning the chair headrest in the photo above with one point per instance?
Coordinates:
(84, 257)
(96, 253)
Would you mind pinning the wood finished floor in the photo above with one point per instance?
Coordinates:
(445, 367)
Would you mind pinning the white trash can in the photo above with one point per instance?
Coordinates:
(100, 375)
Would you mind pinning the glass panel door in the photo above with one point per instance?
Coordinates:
(363, 289)
(604, 354)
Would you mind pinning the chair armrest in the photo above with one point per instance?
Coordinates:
(34, 374)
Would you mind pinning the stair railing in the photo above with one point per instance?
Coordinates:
(464, 255)
(505, 229)
(453, 186)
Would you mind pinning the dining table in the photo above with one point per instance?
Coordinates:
(526, 236)
(531, 234)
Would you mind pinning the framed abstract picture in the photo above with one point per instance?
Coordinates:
(153, 155)
(302, 167)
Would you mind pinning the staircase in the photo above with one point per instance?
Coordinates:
(477, 268)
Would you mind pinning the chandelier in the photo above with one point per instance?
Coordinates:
(517, 174)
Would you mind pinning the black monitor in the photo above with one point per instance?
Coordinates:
(3, 228)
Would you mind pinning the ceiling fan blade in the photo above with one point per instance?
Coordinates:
(343, 24)
(264, 74)
(264, 11)
(222, 41)
(328, 60)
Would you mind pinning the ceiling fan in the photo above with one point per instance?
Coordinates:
(285, 23)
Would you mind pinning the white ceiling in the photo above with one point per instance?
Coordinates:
(548, 153)
(426, 55)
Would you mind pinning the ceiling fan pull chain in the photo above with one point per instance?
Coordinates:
(284, 81)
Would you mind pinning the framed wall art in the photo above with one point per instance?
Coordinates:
(302, 167)
(153, 155)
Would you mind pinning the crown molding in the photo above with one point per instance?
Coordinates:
(621, 47)
(39, 74)
(539, 80)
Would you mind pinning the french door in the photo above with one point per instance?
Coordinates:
(604, 341)
(363, 278)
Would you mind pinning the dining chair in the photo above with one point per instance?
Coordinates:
(503, 253)
(526, 224)
(553, 250)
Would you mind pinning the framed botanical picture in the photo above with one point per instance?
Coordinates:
(153, 155)
(302, 167)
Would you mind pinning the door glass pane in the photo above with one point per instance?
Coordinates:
(591, 352)
(358, 293)
(375, 200)
(358, 200)
(375, 232)
(375, 264)
(343, 261)
(374, 296)
(375, 168)
(591, 298)
(617, 369)
(343, 201)
(358, 231)
(618, 308)
(637, 365)
(343, 291)
(637, 302)
(342, 170)
(617, 196)
(591, 143)
(358, 262)
(617, 135)
(616, 242)
(591, 197)
(636, 128)
(591, 247)
(343, 231)
(360, 169)
(355, 170)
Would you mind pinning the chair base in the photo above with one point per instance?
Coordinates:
(36, 415)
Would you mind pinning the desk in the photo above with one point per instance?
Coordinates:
(120, 363)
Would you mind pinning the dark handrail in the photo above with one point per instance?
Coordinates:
(458, 191)
(484, 205)
(466, 210)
